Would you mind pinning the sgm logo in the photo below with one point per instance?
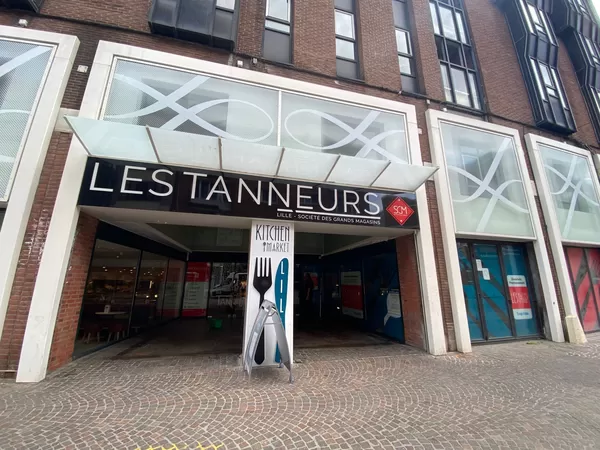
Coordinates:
(400, 211)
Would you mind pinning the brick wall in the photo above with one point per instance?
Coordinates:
(31, 252)
(503, 81)
(428, 64)
(67, 320)
(377, 40)
(314, 36)
(251, 27)
(314, 56)
(410, 291)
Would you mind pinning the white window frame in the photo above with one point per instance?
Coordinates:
(59, 241)
(33, 150)
(435, 119)
(574, 328)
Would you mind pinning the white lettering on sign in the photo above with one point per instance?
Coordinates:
(285, 200)
(347, 202)
(335, 200)
(255, 197)
(164, 183)
(377, 208)
(93, 186)
(214, 189)
(194, 176)
(126, 179)
(301, 196)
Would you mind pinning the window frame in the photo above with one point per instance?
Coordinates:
(537, 20)
(551, 88)
(467, 55)
(271, 24)
(352, 40)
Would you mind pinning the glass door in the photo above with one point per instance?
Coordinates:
(497, 291)
(584, 268)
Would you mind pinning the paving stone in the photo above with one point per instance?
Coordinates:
(503, 396)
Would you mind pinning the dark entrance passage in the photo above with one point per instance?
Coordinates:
(498, 292)
(350, 298)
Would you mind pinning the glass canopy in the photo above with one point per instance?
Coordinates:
(116, 140)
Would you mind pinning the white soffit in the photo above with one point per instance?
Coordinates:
(186, 149)
(112, 139)
(352, 171)
(253, 159)
(152, 145)
(306, 165)
(404, 177)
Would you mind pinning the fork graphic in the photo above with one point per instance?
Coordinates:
(263, 280)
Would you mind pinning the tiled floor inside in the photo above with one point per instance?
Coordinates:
(191, 337)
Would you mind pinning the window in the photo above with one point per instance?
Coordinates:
(277, 44)
(537, 22)
(486, 182)
(571, 181)
(547, 82)
(345, 39)
(591, 48)
(204, 21)
(457, 62)
(24, 68)
(406, 60)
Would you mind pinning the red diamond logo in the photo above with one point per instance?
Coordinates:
(400, 211)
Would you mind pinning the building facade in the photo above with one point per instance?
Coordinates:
(455, 141)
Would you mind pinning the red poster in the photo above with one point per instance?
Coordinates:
(352, 301)
(195, 299)
(519, 297)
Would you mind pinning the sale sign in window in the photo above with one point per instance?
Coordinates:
(519, 297)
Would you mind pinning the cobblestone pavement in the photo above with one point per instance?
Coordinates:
(534, 395)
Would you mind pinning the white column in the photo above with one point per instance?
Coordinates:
(575, 332)
(430, 291)
(273, 243)
(59, 241)
(444, 200)
(27, 177)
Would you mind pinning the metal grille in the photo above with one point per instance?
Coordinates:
(22, 69)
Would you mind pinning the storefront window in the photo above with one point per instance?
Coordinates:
(173, 295)
(170, 99)
(575, 199)
(486, 182)
(177, 100)
(22, 70)
(319, 125)
(108, 295)
(149, 292)
(119, 301)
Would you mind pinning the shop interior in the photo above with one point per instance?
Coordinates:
(184, 293)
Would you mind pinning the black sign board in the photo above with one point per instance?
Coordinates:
(136, 185)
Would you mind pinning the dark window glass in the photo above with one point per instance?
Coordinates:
(277, 46)
(347, 69)
(455, 53)
(223, 24)
(459, 72)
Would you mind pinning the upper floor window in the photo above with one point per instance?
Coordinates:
(537, 22)
(346, 50)
(406, 59)
(548, 83)
(457, 62)
(277, 45)
(205, 21)
(592, 50)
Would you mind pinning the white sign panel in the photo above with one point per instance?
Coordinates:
(270, 277)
